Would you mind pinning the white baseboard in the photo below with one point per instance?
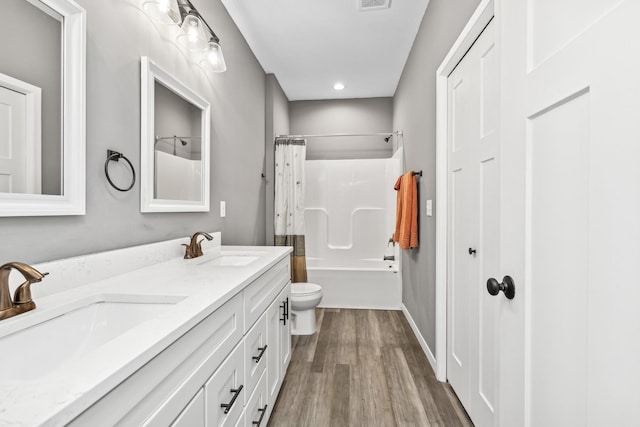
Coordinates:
(425, 348)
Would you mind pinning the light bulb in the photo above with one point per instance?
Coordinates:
(162, 11)
(192, 36)
(214, 59)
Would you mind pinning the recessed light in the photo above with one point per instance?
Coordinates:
(338, 86)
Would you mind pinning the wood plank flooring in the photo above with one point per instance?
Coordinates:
(363, 368)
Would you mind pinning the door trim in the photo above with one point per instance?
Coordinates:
(33, 132)
(483, 14)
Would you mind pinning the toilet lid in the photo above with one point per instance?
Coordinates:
(305, 288)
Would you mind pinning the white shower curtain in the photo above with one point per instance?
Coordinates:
(290, 156)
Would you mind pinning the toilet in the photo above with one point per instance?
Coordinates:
(304, 299)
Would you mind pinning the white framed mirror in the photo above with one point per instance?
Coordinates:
(175, 131)
(42, 108)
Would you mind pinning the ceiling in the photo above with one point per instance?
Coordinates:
(311, 44)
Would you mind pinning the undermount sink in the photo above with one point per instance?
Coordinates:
(82, 327)
(232, 259)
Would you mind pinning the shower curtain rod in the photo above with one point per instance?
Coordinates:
(331, 135)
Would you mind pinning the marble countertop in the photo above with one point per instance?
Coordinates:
(57, 397)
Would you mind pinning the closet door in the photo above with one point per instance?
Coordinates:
(473, 235)
(570, 212)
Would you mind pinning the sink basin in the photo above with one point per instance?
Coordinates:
(230, 260)
(82, 327)
(233, 259)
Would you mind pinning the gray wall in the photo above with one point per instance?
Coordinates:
(30, 51)
(118, 33)
(277, 123)
(364, 115)
(414, 111)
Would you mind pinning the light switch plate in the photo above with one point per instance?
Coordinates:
(429, 207)
(223, 209)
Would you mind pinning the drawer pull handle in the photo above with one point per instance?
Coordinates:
(259, 356)
(262, 412)
(227, 406)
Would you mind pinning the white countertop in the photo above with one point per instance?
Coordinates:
(57, 398)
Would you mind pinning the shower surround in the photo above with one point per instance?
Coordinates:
(350, 217)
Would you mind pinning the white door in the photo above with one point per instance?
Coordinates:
(570, 212)
(473, 234)
(13, 166)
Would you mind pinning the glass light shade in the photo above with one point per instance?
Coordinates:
(213, 59)
(162, 11)
(193, 36)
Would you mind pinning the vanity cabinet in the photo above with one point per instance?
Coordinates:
(215, 374)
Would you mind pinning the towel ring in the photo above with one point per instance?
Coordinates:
(115, 156)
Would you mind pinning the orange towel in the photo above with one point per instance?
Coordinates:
(406, 233)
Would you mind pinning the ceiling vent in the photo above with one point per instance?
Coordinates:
(373, 4)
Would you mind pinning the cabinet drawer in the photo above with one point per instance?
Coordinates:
(256, 412)
(255, 353)
(225, 391)
(193, 414)
(259, 294)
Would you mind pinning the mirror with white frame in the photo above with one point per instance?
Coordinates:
(174, 148)
(42, 108)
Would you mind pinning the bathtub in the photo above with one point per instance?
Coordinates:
(363, 283)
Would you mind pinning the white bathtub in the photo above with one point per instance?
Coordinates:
(363, 283)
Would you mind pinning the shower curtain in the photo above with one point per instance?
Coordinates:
(289, 202)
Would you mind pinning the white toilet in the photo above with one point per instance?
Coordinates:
(304, 299)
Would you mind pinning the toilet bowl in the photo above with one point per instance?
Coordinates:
(304, 299)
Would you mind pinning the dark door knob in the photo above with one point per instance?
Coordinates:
(472, 251)
(507, 286)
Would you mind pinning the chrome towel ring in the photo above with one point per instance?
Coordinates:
(115, 156)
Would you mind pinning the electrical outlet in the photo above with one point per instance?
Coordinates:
(429, 207)
(223, 209)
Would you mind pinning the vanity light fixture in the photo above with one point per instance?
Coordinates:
(195, 35)
(338, 86)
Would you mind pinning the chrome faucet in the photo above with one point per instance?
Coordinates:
(194, 248)
(22, 301)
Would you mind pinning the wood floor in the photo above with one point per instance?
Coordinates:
(363, 368)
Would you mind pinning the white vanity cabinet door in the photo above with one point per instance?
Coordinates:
(226, 387)
(274, 314)
(279, 343)
(256, 412)
(259, 294)
(285, 331)
(255, 353)
(193, 414)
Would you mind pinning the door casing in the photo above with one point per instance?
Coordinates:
(478, 21)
